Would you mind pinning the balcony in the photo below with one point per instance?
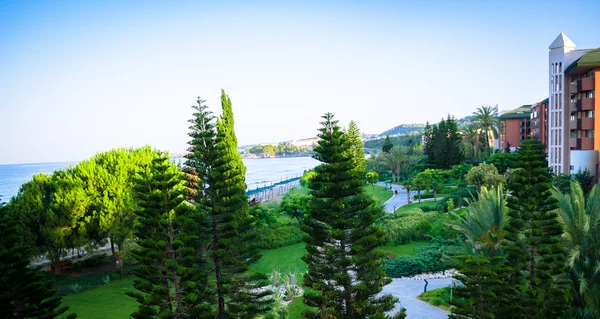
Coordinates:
(573, 87)
(573, 124)
(573, 106)
(586, 84)
(587, 104)
(587, 123)
(572, 143)
(587, 143)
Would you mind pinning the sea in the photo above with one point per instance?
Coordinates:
(260, 172)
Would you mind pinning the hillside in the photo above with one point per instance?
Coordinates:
(404, 129)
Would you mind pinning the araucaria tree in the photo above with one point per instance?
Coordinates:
(169, 278)
(344, 266)
(534, 248)
(218, 188)
(357, 147)
(23, 292)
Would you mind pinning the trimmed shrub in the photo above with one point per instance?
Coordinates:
(281, 236)
(404, 266)
(66, 285)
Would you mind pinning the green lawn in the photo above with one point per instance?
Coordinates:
(414, 205)
(103, 302)
(406, 249)
(437, 297)
(380, 194)
(111, 301)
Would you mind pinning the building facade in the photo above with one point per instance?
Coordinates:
(539, 122)
(516, 127)
(572, 107)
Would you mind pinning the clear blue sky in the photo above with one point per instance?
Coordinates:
(78, 77)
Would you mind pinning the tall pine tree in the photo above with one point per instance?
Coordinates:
(533, 246)
(357, 148)
(387, 144)
(23, 291)
(217, 172)
(344, 266)
(171, 283)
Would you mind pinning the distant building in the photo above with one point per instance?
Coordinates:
(539, 121)
(516, 127)
(572, 107)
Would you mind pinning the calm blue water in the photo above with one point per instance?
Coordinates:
(259, 173)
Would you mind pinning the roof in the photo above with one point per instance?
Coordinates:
(545, 101)
(589, 60)
(520, 112)
(562, 41)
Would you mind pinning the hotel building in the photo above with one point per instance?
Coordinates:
(571, 108)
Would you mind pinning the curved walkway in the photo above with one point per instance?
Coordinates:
(396, 200)
(408, 290)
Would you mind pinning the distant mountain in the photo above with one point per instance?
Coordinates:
(404, 129)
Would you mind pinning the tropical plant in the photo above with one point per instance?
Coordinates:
(470, 144)
(580, 218)
(487, 120)
(484, 222)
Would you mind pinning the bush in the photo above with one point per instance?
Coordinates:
(281, 236)
(409, 225)
(578, 313)
(460, 197)
(404, 266)
(66, 285)
(437, 297)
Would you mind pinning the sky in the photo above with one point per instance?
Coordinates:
(80, 77)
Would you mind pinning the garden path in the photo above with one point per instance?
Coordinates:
(408, 290)
(396, 200)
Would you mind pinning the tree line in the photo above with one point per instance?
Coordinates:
(192, 233)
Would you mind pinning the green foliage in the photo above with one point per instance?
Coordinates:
(484, 223)
(487, 120)
(460, 171)
(93, 261)
(88, 281)
(404, 266)
(169, 280)
(484, 175)
(372, 178)
(410, 140)
(562, 182)
(585, 179)
(579, 313)
(407, 226)
(580, 218)
(502, 161)
(23, 291)
(216, 174)
(404, 129)
(342, 236)
(306, 178)
(357, 148)
(481, 293)
(263, 215)
(441, 143)
(533, 244)
(387, 145)
(437, 297)
(280, 236)
(295, 204)
(282, 149)
(471, 144)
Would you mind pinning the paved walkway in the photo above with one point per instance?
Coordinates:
(408, 290)
(396, 200)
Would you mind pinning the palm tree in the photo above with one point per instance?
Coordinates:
(470, 144)
(394, 159)
(487, 120)
(581, 222)
(387, 160)
(483, 224)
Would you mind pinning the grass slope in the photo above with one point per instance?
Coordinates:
(103, 302)
(380, 194)
(410, 249)
(414, 205)
(437, 297)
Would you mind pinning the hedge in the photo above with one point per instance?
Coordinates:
(67, 285)
(280, 236)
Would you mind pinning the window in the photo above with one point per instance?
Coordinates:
(572, 134)
(590, 94)
(589, 133)
(589, 114)
(572, 117)
(590, 74)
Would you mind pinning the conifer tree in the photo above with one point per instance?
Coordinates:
(357, 148)
(534, 247)
(344, 266)
(218, 174)
(169, 277)
(387, 144)
(23, 292)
